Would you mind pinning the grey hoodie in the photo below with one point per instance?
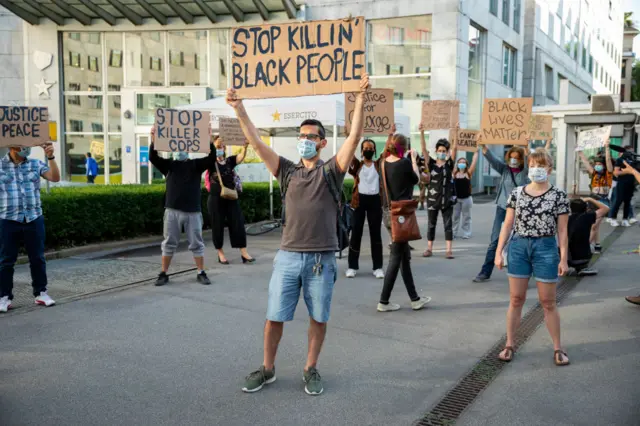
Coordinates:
(506, 182)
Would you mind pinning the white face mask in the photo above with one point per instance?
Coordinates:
(514, 162)
(538, 174)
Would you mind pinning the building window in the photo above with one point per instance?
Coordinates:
(476, 74)
(74, 36)
(624, 69)
(551, 27)
(622, 99)
(76, 126)
(395, 69)
(96, 127)
(597, 66)
(516, 15)
(155, 63)
(506, 11)
(493, 7)
(509, 64)
(74, 60)
(94, 38)
(396, 36)
(591, 64)
(548, 77)
(93, 63)
(115, 58)
(584, 57)
(424, 38)
(188, 65)
(176, 58)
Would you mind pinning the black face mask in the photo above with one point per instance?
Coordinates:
(368, 154)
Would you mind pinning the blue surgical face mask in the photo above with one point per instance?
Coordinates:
(24, 152)
(538, 174)
(307, 149)
(180, 156)
(599, 168)
(220, 152)
(441, 156)
(462, 166)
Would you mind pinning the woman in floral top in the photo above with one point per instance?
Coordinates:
(537, 213)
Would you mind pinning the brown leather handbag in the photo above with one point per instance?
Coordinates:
(402, 215)
(226, 193)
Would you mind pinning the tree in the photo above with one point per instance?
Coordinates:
(635, 82)
(628, 20)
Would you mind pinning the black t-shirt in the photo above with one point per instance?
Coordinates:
(624, 179)
(463, 187)
(400, 179)
(226, 172)
(441, 177)
(579, 230)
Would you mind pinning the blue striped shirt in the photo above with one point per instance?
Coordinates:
(20, 189)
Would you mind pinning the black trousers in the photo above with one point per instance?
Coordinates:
(370, 208)
(624, 195)
(447, 215)
(223, 212)
(400, 260)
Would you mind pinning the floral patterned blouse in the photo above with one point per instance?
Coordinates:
(538, 216)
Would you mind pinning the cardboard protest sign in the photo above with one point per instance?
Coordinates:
(230, 131)
(466, 140)
(594, 138)
(23, 126)
(298, 59)
(506, 121)
(440, 114)
(378, 111)
(541, 127)
(182, 130)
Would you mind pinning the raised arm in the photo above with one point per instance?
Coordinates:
(243, 154)
(454, 143)
(53, 174)
(607, 154)
(628, 170)
(603, 209)
(547, 145)
(585, 162)
(423, 144)
(494, 162)
(474, 163)
(354, 167)
(348, 149)
(162, 164)
(266, 154)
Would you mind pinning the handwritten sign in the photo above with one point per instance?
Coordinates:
(594, 138)
(541, 127)
(231, 132)
(378, 111)
(298, 59)
(23, 126)
(440, 114)
(506, 121)
(97, 149)
(466, 140)
(182, 130)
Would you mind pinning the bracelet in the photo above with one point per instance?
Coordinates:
(51, 158)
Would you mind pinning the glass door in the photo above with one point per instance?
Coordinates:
(143, 166)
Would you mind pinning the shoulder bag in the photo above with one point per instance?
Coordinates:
(402, 215)
(226, 193)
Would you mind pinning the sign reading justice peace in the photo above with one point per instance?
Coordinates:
(298, 59)
(378, 111)
(182, 130)
(23, 126)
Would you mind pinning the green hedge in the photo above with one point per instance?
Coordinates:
(84, 215)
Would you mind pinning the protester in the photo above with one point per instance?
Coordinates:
(513, 173)
(21, 220)
(222, 209)
(580, 229)
(624, 192)
(627, 170)
(92, 168)
(424, 171)
(182, 206)
(306, 259)
(537, 213)
(601, 174)
(462, 209)
(441, 195)
(367, 204)
(401, 175)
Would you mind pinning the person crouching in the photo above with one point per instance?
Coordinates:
(581, 222)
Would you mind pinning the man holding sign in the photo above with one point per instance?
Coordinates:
(21, 220)
(306, 259)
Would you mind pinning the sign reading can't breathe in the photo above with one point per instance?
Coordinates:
(23, 126)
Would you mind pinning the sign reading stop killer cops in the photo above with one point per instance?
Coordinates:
(298, 59)
(23, 126)
(182, 130)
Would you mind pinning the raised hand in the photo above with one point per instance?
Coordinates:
(232, 99)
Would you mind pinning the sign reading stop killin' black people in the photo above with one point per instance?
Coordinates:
(298, 59)
(23, 126)
(182, 131)
(506, 121)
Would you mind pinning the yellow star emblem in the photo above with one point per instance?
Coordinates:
(276, 116)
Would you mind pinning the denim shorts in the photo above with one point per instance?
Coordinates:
(534, 256)
(293, 271)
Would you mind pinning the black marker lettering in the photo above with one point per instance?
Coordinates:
(237, 42)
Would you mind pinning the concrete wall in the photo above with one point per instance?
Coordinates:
(12, 58)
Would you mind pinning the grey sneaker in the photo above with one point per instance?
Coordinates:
(256, 380)
(313, 382)
(587, 272)
(481, 278)
(203, 279)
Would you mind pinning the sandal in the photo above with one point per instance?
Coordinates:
(427, 253)
(508, 354)
(558, 360)
(449, 255)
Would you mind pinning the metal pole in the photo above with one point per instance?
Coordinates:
(273, 146)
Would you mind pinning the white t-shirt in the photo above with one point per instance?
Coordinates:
(369, 180)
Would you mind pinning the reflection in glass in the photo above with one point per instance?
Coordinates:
(76, 148)
(188, 58)
(84, 109)
(476, 77)
(409, 92)
(147, 103)
(115, 159)
(145, 53)
(82, 53)
(219, 40)
(113, 42)
(114, 111)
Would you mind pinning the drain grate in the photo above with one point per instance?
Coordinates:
(462, 395)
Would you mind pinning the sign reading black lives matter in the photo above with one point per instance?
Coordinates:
(298, 59)
(23, 126)
(506, 121)
(182, 130)
(378, 111)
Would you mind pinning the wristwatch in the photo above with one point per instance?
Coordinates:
(51, 158)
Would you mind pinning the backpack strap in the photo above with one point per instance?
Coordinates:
(338, 195)
(283, 195)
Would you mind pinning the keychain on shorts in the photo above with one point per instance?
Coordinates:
(317, 268)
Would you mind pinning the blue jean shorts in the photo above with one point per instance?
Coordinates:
(537, 257)
(293, 271)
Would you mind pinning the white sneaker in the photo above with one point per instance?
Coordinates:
(388, 308)
(379, 274)
(419, 304)
(626, 223)
(5, 304)
(633, 220)
(44, 299)
(351, 273)
(614, 223)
